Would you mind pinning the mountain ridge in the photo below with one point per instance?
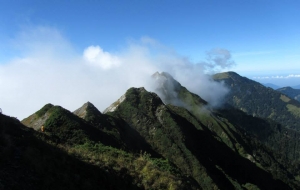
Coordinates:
(205, 147)
(150, 136)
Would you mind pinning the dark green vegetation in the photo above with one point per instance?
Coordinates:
(35, 160)
(143, 141)
(29, 161)
(290, 92)
(273, 118)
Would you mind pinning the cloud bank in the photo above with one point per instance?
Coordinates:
(48, 69)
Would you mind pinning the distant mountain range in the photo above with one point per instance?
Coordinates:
(275, 87)
(296, 87)
(170, 139)
(291, 92)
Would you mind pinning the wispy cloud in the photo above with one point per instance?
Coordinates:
(278, 76)
(251, 53)
(219, 58)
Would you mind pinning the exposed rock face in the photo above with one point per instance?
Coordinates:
(83, 110)
(114, 106)
(37, 120)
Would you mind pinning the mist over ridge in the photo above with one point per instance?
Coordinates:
(52, 71)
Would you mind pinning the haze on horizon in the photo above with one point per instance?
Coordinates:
(67, 53)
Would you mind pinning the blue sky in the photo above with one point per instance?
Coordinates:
(261, 37)
(257, 32)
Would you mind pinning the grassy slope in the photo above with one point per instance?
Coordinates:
(258, 100)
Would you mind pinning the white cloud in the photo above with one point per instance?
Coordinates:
(48, 70)
(293, 76)
(96, 56)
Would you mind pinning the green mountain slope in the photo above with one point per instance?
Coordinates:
(29, 161)
(280, 139)
(290, 92)
(274, 132)
(181, 137)
(257, 100)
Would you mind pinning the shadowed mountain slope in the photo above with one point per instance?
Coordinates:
(30, 161)
(62, 158)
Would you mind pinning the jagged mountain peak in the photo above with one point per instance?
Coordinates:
(162, 74)
(84, 110)
(164, 77)
(37, 120)
(132, 95)
(114, 105)
(46, 113)
(172, 92)
(166, 86)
